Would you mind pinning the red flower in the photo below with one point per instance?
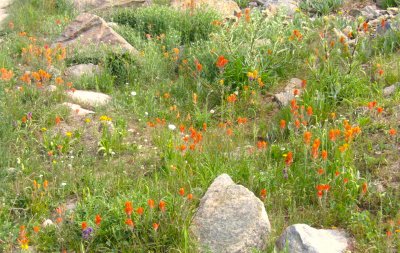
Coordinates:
(263, 193)
(221, 62)
(150, 202)
(84, 225)
(155, 226)
(181, 191)
(140, 210)
(364, 188)
(129, 222)
(289, 158)
(162, 205)
(98, 219)
(282, 124)
(128, 208)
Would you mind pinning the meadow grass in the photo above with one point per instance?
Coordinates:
(318, 159)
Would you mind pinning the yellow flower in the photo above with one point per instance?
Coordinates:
(44, 129)
(105, 118)
(68, 134)
(87, 120)
(221, 82)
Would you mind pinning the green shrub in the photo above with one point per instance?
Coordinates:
(157, 20)
(320, 7)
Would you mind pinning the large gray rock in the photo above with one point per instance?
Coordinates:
(80, 70)
(94, 5)
(90, 30)
(230, 219)
(301, 238)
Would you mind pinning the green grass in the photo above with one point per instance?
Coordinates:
(99, 167)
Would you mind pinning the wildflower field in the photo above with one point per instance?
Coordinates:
(195, 101)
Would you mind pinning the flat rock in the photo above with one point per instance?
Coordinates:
(91, 30)
(283, 98)
(77, 109)
(77, 71)
(230, 219)
(90, 98)
(226, 8)
(301, 238)
(94, 5)
(387, 91)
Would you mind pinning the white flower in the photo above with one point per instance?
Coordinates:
(212, 111)
(63, 184)
(171, 127)
(133, 93)
(47, 223)
(146, 113)
(236, 93)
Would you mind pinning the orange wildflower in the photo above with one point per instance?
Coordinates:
(84, 225)
(337, 173)
(262, 144)
(241, 120)
(289, 158)
(128, 208)
(379, 109)
(320, 171)
(392, 132)
(221, 62)
(36, 229)
(129, 222)
(309, 111)
(307, 137)
(181, 191)
(162, 205)
(59, 220)
(319, 194)
(364, 188)
(140, 210)
(229, 132)
(150, 202)
(6, 75)
(282, 124)
(365, 26)
(324, 154)
(232, 98)
(263, 193)
(190, 196)
(247, 14)
(155, 226)
(58, 120)
(97, 219)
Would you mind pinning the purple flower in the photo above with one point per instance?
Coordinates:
(29, 115)
(86, 233)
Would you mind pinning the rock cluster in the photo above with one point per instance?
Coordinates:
(231, 219)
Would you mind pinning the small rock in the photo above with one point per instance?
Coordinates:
(77, 109)
(305, 239)
(284, 98)
(90, 98)
(77, 71)
(230, 219)
(47, 223)
(390, 89)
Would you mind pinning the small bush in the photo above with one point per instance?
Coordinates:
(320, 7)
(159, 20)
